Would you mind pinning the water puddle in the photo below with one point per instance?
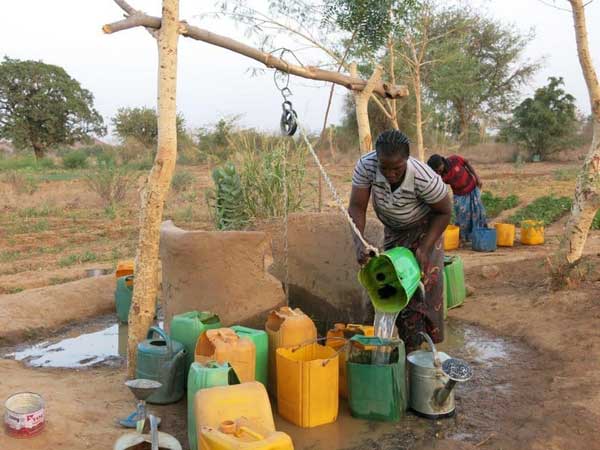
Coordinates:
(102, 342)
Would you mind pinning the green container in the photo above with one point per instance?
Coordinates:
(377, 392)
(202, 376)
(162, 360)
(261, 342)
(123, 294)
(391, 279)
(445, 300)
(455, 280)
(187, 328)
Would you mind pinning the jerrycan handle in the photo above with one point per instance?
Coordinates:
(163, 335)
(436, 357)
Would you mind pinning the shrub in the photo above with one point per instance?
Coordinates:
(76, 159)
(182, 181)
(227, 199)
(494, 205)
(547, 209)
(25, 162)
(21, 183)
(111, 183)
(596, 221)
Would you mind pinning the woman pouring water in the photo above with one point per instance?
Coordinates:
(412, 202)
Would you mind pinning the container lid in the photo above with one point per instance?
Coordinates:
(424, 358)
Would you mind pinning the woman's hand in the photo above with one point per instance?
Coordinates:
(362, 255)
(422, 254)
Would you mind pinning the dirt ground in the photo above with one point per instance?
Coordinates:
(541, 393)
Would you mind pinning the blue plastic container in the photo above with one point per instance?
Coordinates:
(484, 239)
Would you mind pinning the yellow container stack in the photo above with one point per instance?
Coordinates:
(505, 234)
(124, 268)
(224, 345)
(532, 232)
(307, 385)
(451, 237)
(237, 417)
(287, 328)
(337, 338)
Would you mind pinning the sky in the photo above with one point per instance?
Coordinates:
(120, 69)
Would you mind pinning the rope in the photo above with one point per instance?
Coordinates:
(338, 201)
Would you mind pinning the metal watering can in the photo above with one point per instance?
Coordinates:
(391, 279)
(432, 378)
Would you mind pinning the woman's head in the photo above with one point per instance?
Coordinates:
(438, 164)
(393, 150)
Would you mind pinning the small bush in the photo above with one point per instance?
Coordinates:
(227, 199)
(111, 183)
(494, 205)
(182, 181)
(22, 183)
(596, 221)
(547, 209)
(76, 159)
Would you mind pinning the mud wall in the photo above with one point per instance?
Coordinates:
(322, 267)
(223, 272)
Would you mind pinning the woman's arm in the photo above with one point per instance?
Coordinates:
(469, 167)
(359, 200)
(441, 212)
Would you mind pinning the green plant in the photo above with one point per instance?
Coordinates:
(9, 255)
(184, 214)
(76, 159)
(67, 260)
(596, 221)
(25, 162)
(182, 181)
(227, 199)
(77, 259)
(565, 174)
(110, 183)
(547, 209)
(494, 205)
(21, 183)
(43, 211)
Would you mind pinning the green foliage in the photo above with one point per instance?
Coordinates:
(546, 122)
(141, 124)
(77, 258)
(215, 140)
(182, 181)
(565, 174)
(227, 199)
(596, 221)
(480, 70)
(75, 159)
(494, 205)
(42, 106)
(25, 163)
(111, 183)
(254, 189)
(547, 209)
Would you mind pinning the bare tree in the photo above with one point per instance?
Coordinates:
(587, 191)
(166, 30)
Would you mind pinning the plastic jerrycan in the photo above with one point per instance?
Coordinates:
(223, 345)
(203, 376)
(162, 360)
(123, 294)
(261, 342)
(454, 280)
(376, 391)
(124, 268)
(391, 279)
(243, 434)
(337, 337)
(286, 328)
(187, 328)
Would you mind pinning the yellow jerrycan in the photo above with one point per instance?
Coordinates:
(224, 345)
(242, 434)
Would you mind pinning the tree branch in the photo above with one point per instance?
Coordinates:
(309, 72)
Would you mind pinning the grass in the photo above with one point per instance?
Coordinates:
(77, 259)
(565, 174)
(9, 255)
(547, 209)
(42, 211)
(27, 162)
(494, 205)
(31, 226)
(182, 181)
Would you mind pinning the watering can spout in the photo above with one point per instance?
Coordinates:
(443, 393)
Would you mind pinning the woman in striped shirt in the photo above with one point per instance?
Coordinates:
(412, 202)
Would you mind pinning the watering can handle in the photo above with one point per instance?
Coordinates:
(436, 357)
(163, 335)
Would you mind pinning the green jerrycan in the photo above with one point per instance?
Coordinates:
(376, 392)
(261, 342)
(454, 272)
(187, 328)
(123, 294)
(202, 376)
(162, 360)
(391, 279)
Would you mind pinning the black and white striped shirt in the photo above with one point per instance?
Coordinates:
(409, 203)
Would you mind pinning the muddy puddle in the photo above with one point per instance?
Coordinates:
(102, 342)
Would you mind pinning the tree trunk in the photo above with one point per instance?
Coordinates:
(587, 191)
(38, 150)
(361, 99)
(418, 113)
(146, 271)
(393, 104)
(463, 135)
